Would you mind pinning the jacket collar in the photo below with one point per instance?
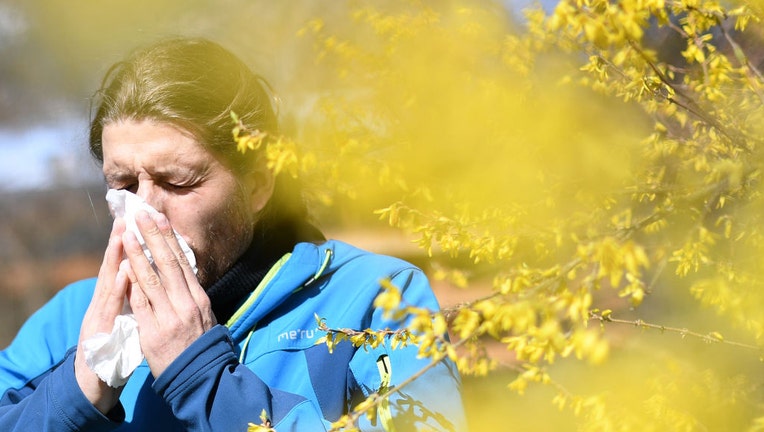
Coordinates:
(268, 246)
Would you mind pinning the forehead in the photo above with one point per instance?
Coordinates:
(141, 145)
(146, 137)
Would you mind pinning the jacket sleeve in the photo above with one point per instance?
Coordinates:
(56, 404)
(432, 401)
(38, 388)
(209, 390)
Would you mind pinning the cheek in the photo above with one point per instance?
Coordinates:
(192, 224)
(218, 229)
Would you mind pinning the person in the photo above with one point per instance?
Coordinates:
(238, 338)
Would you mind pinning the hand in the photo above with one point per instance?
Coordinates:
(170, 306)
(106, 304)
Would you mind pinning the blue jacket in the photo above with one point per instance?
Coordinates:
(264, 358)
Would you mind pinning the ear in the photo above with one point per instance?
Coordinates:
(261, 184)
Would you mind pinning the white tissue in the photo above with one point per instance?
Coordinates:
(113, 357)
(125, 204)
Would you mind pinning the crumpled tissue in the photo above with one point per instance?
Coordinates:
(114, 356)
(126, 204)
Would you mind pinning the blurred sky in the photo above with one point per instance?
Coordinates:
(53, 54)
(44, 155)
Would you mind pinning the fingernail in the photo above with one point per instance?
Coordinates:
(161, 220)
(124, 266)
(115, 223)
(142, 215)
(129, 239)
(114, 237)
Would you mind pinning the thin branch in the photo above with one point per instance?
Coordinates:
(378, 398)
(690, 106)
(744, 61)
(713, 337)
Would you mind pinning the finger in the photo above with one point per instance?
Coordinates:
(123, 280)
(103, 295)
(165, 229)
(127, 270)
(198, 295)
(108, 295)
(116, 299)
(143, 275)
(137, 300)
(169, 262)
(112, 255)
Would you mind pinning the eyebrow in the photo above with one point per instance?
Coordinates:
(178, 171)
(117, 177)
(163, 174)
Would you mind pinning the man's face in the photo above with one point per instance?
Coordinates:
(176, 175)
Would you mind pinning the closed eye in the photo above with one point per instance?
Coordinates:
(173, 186)
(132, 187)
(121, 181)
(178, 188)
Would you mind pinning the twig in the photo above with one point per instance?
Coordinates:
(378, 398)
(715, 337)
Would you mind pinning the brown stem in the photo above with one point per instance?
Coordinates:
(710, 337)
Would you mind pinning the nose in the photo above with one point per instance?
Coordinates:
(149, 193)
